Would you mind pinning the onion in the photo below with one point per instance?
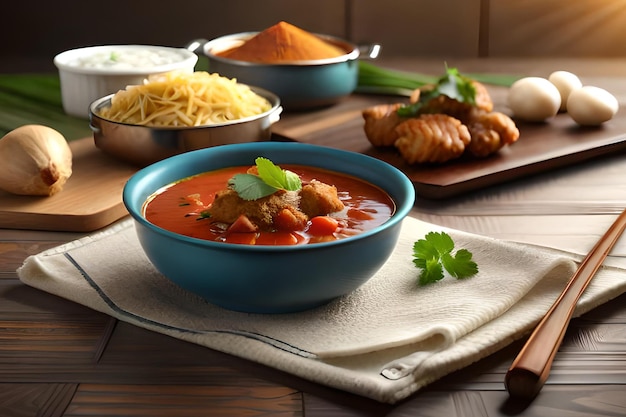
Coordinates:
(34, 160)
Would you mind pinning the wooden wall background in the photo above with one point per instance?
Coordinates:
(33, 32)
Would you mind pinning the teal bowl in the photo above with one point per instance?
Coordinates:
(268, 279)
(301, 85)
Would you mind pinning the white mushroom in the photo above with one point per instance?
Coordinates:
(591, 106)
(534, 99)
(565, 82)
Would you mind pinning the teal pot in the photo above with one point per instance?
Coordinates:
(301, 85)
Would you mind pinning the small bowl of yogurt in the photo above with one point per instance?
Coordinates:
(89, 73)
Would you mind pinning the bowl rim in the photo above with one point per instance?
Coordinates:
(61, 60)
(352, 55)
(273, 112)
(401, 210)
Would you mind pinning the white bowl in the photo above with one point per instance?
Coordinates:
(87, 74)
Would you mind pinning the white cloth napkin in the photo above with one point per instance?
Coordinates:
(385, 340)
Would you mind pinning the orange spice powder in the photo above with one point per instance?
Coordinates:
(280, 43)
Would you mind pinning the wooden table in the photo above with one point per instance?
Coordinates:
(58, 358)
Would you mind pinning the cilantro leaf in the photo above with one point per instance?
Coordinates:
(457, 86)
(270, 179)
(433, 254)
(453, 84)
(413, 109)
(442, 242)
(461, 265)
(423, 250)
(432, 272)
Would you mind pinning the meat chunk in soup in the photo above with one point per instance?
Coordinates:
(314, 199)
(318, 199)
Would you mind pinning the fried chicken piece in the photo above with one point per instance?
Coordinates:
(483, 98)
(318, 198)
(228, 206)
(490, 131)
(460, 110)
(431, 138)
(415, 96)
(313, 199)
(380, 123)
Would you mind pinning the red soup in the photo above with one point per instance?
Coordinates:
(184, 207)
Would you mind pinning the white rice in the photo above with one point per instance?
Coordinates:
(128, 59)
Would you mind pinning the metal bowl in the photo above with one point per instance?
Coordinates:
(301, 85)
(81, 85)
(144, 145)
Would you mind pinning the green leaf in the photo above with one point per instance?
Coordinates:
(442, 242)
(292, 181)
(433, 255)
(410, 110)
(432, 272)
(250, 187)
(424, 249)
(276, 177)
(457, 87)
(270, 178)
(270, 173)
(452, 84)
(461, 265)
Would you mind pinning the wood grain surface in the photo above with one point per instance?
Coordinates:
(67, 360)
(60, 359)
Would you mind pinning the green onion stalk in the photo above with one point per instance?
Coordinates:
(375, 79)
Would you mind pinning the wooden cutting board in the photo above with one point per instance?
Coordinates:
(90, 200)
(542, 147)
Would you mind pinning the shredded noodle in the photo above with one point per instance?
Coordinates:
(184, 99)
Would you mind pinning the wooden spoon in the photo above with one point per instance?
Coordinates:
(530, 370)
